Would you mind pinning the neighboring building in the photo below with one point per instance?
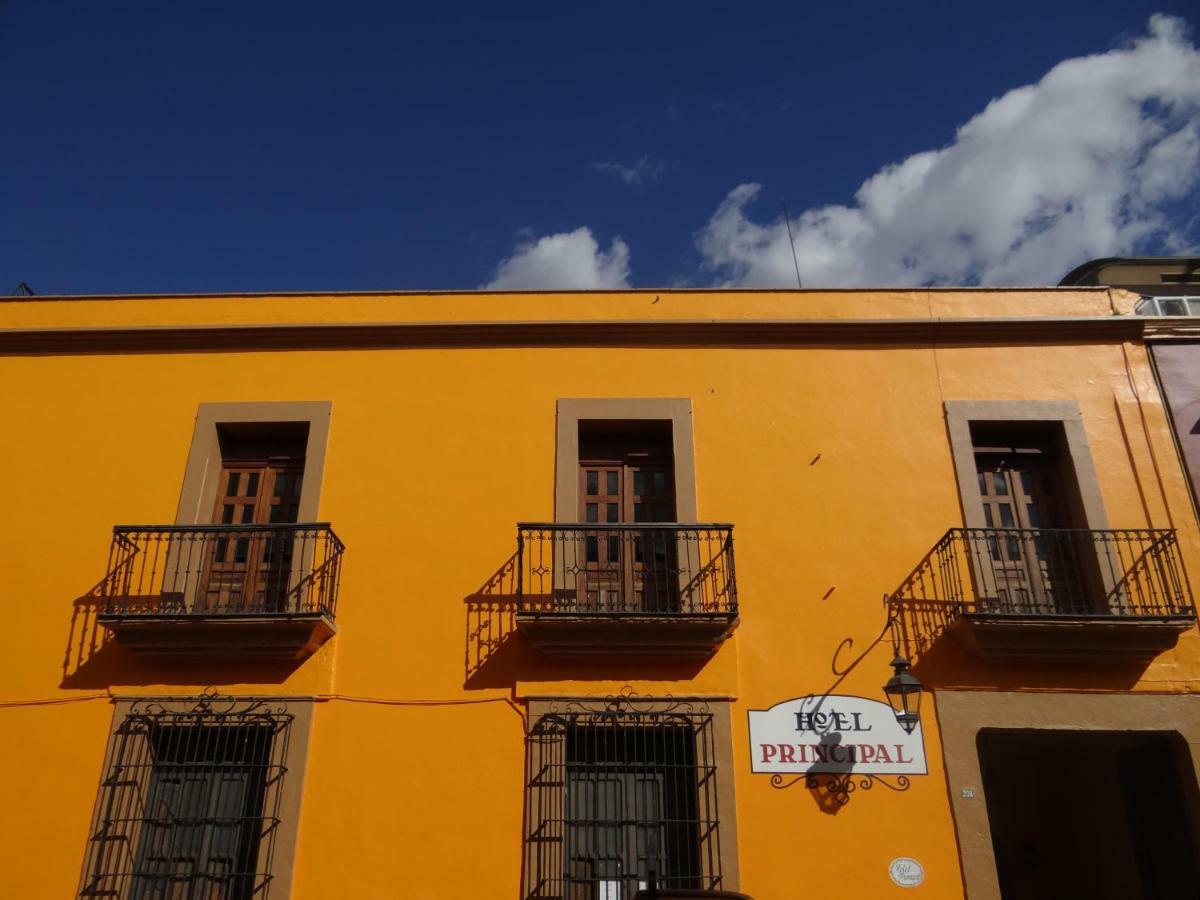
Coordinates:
(1170, 289)
(434, 595)
(1163, 277)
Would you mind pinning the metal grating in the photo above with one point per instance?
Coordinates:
(1049, 572)
(189, 804)
(620, 799)
(647, 569)
(222, 570)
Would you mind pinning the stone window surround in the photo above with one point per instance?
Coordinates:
(566, 472)
(961, 413)
(203, 470)
(718, 707)
(295, 759)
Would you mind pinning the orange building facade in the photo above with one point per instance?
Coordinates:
(595, 595)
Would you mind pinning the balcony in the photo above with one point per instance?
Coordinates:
(645, 589)
(222, 591)
(1026, 594)
(1180, 305)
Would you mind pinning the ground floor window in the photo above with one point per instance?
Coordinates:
(619, 798)
(189, 803)
(1091, 814)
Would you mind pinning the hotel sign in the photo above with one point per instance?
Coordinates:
(833, 734)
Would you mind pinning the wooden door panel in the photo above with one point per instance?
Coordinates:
(628, 570)
(655, 573)
(602, 586)
(1037, 569)
(251, 571)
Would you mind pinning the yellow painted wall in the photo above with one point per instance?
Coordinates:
(833, 464)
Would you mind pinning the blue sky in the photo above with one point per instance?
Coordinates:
(257, 146)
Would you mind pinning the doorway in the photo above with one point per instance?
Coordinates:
(626, 495)
(1098, 815)
(1034, 556)
(248, 566)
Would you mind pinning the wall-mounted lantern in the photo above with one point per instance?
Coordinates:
(904, 695)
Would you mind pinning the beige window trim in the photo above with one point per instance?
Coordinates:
(963, 714)
(566, 470)
(204, 457)
(718, 707)
(293, 754)
(961, 413)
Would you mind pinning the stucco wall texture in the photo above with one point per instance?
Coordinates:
(832, 461)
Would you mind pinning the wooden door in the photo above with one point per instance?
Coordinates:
(628, 570)
(655, 573)
(603, 586)
(1033, 571)
(249, 571)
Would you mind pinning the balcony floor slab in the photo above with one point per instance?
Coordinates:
(1002, 637)
(266, 636)
(675, 636)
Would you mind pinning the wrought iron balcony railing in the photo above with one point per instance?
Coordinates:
(650, 570)
(222, 570)
(1054, 572)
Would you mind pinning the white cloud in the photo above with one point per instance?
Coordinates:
(1085, 163)
(565, 261)
(644, 171)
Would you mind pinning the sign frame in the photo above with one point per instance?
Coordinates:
(833, 734)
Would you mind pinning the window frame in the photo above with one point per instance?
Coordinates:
(1083, 503)
(570, 412)
(202, 474)
(288, 754)
(541, 833)
(960, 414)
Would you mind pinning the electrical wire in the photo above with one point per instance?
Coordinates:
(320, 698)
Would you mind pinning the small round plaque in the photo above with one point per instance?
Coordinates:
(906, 871)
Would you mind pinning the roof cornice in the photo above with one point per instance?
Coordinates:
(658, 332)
(560, 292)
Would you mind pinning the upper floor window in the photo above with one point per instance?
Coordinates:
(248, 567)
(246, 564)
(626, 541)
(262, 471)
(1041, 557)
(1022, 480)
(627, 477)
(626, 472)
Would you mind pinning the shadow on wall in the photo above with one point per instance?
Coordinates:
(939, 648)
(497, 656)
(85, 638)
(828, 789)
(929, 628)
(93, 659)
(491, 621)
(832, 788)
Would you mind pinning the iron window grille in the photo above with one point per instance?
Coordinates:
(620, 799)
(189, 803)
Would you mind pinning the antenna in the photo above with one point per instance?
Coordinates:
(791, 241)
